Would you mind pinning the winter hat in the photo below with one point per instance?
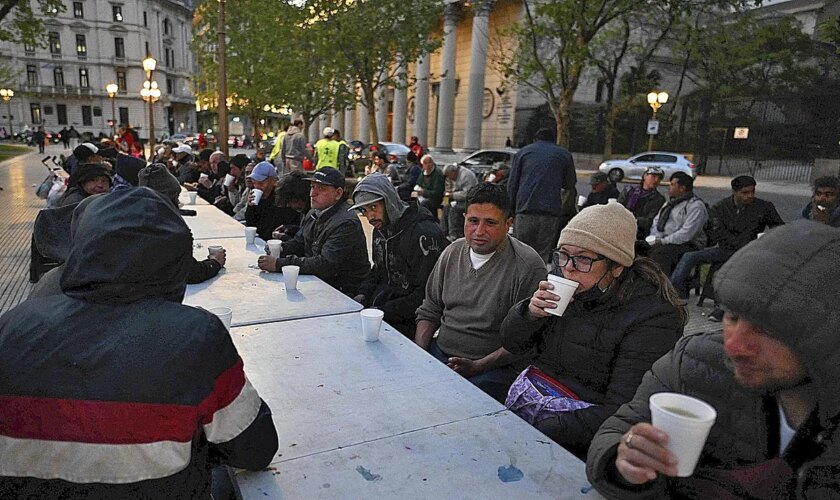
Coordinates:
(158, 177)
(240, 161)
(90, 171)
(84, 151)
(608, 230)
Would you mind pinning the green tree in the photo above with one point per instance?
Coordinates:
(21, 23)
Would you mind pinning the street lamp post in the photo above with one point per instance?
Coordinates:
(112, 89)
(7, 95)
(656, 100)
(150, 94)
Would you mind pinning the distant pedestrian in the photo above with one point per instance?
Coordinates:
(508, 143)
(65, 138)
(74, 136)
(415, 146)
(39, 137)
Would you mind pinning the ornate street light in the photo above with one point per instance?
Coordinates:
(656, 100)
(149, 65)
(7, 95)
(112, 89)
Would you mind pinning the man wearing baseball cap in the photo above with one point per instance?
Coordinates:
(406, 245)
(330, 243)
(644, 200)
(602, 190)
(262, 211)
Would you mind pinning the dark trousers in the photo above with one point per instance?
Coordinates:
(494, 383)
(541, 232)
(667, 256)
(690, 260)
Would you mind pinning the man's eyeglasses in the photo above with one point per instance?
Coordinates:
(581, 263)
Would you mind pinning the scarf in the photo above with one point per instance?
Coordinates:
(636, 193)
(665, 212)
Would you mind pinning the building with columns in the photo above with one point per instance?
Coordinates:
(97, 42)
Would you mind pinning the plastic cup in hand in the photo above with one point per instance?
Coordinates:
(274, 247)
(229, 180)
(224, 313)
(203, 177)
(215, 250)
(565, 289)
(192, 195)
(290, 276)
(250, 234)
(612, 200)
(687, 422)
(371, 323)
(581, 200)
(258, 194)
(651, 240)
(759, 235)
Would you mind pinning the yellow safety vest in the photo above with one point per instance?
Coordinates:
(327, 153)
(278, 143)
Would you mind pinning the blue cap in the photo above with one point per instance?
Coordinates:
(263, 171)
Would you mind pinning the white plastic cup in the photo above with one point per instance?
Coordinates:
(258, 194)
(203, 177)
(581, 200)
(371, 324)
(290, 276)
(651, 239)
(229, 180)
(759, 235)
(686, 421)
(274, 247)
(224, 313)
(250, 234)
(612, 200)
(565, 289)
(192, 195)
(215, 249)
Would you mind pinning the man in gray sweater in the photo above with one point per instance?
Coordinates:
(474, 283)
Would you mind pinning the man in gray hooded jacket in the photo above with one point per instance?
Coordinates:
(406, 245)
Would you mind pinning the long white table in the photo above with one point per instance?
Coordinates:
(358, 419)
(210, 223)
(258, 297)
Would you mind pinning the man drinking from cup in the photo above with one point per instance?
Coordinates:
(773, 377)
(623, 316)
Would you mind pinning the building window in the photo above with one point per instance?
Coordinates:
(83, 78)
(121, 82)
(147, 48)
(116, 10)
(61, 113)
(97, 111)
(35, 112)
(170, 86)
(119, 48)
(28, 48)
(32, 75)
(166, 26)
(55, 43)
(58, 76)
(47, 110)
(145, 19)
(78, 10)
(87, 116)
(124, 116)
(81, 46)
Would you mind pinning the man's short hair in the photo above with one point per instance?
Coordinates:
(293, 186)
(486, 192)
(546, 134)
(411, 156)
(204, 154)
(741, 182)
(684, 180)
(449, 168)
(423, 159)
(828, 181)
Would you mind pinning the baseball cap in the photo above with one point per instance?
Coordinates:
(262, 171)
(328, 176)
(182, 148)
(597, 178)
(363, 198)
(328, 131)
(655, 171)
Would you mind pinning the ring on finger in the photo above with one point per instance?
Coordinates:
(628, 441)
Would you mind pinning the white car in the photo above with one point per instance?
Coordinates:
(633, 168)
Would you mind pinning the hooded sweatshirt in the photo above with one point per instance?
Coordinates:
(294, 145)
(115, 389)
(405, 251)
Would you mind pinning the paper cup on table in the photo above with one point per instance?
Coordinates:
(229, 180)
(687, 422)
(651, 240)
(224, 313)
(192, 195)
(258, 194)
(250, 234)
(581, 200)
(565, 289)
(274, 247)
(371, 323)
(290, 276)
(215, 249)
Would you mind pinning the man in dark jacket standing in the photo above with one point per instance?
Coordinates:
(773, 376)
(114, 389)
(330, 243)
(406, 245)
(540, 173)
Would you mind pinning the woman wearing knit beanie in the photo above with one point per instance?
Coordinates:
(624, 316)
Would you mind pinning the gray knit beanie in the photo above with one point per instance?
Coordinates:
(158, 177)
(608, 230)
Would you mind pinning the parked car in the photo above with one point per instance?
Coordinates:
(396, 154)
(485, 161)
(633, 168)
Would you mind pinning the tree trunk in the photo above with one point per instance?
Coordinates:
(255, 119)
(609, 112)
(371, 112)
(703, 131)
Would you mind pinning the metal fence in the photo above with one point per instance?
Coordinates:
(768, 170)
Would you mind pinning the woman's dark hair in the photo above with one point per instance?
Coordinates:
(293, 186)
(485, 192)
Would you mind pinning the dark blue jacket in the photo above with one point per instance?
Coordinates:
(538, 173)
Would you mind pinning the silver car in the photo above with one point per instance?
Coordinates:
(483, 161)
(633, 168)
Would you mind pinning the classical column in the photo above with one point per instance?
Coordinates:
(421, 100)
(313, 134)
(382, 113)
(446, 100)
(347, 132)
(400, 105)
(337, 120)
(364, 127)
(323, 123)
(475, 91)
